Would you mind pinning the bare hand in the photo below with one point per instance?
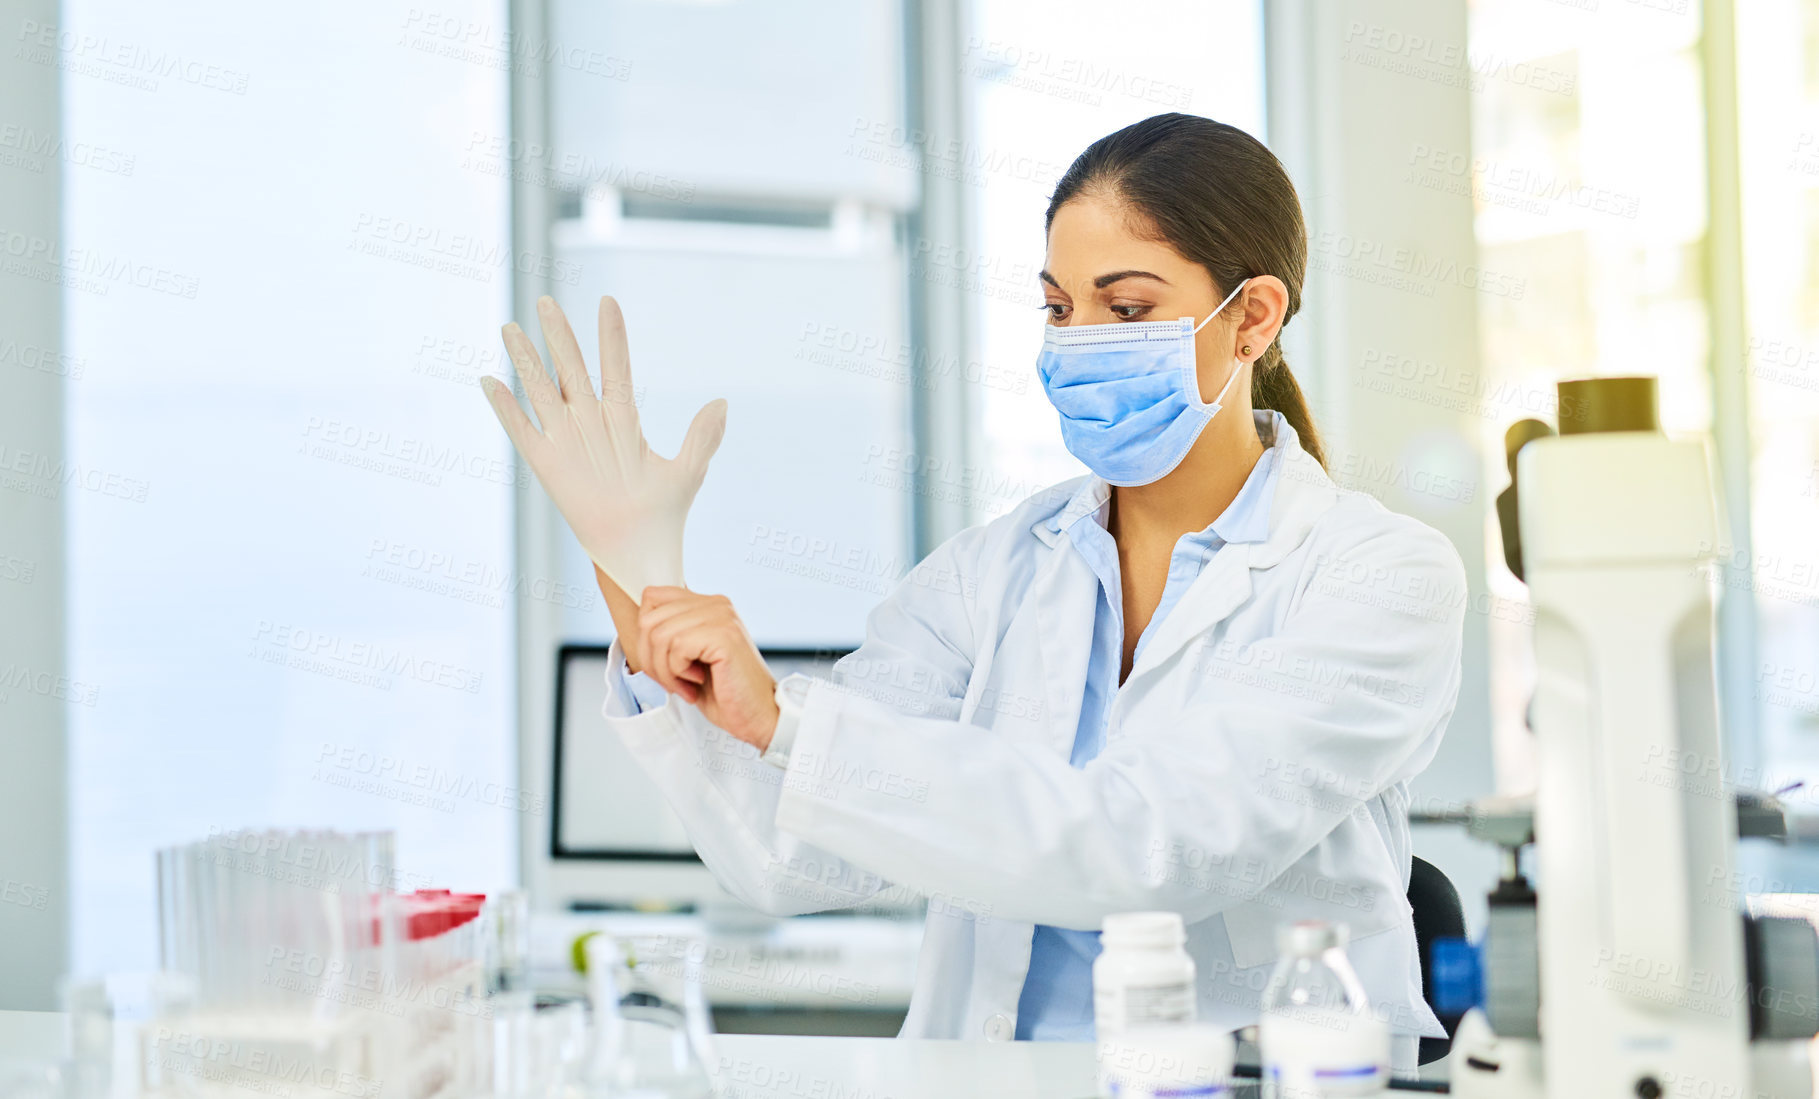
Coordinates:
(696, 647)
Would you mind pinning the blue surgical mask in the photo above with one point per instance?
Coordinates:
(1128, 393)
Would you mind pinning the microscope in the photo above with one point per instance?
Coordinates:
(1630, 966)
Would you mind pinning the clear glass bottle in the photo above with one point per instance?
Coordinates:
(651, 1033)
(1318, 1038)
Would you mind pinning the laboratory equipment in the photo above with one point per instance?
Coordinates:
(1630, 968)
(651, 1036)
(1317, 1036)
(312, 976)
(508, 942)
(1143, 976)
(829, 975)
(96, 1008)
(537, 1047)
(90, 1066)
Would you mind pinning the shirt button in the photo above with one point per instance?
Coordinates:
(998, 1028)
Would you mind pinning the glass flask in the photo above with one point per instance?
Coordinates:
(651, 1035)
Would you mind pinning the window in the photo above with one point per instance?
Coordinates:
(1588, 175)
(1778, 134)
(290, 581)
(750, 232)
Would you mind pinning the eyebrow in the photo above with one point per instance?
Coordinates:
(1104, 281)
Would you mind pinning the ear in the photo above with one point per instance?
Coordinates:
(1265, 300)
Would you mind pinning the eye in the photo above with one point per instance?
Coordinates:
(1129, 312)
(1057, 310)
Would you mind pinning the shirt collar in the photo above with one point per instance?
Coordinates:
(1245, 519)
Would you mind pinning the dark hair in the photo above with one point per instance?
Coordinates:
(1219, 197)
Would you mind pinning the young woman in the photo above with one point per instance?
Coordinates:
(1198, 679)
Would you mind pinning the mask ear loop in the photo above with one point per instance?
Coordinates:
(1218, 309)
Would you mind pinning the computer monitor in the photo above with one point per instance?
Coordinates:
(614, 841)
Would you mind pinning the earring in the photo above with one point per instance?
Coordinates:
(1245, 350)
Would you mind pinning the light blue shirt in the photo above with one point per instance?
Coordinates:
(1057, 999)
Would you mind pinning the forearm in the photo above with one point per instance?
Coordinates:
(727, 800)
(624, 610)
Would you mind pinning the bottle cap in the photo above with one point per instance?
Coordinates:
(1144, 930)
(1308, 937)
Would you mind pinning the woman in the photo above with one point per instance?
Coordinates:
(1199, 679)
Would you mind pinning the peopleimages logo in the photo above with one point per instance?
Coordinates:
(128, 64)
(369, 663)
(50, 260)
(388, 768)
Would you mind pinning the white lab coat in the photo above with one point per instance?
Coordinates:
(1255, 770)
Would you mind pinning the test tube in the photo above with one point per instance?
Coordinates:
(208, 895)
(518, 1056)
(90, 1013)
(507, 934)
(232, 905)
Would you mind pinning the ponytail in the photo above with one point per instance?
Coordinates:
(1273, 386)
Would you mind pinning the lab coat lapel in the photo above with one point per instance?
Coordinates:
(1066, 594)
(1303, 493)
(1220, 588)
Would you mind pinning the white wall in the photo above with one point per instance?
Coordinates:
(1358, 89)
(300, 618)
(34, 876)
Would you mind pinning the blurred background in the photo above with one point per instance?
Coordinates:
(266, 558)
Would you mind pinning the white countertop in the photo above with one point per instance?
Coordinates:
(771, 1067)
(759, 1067)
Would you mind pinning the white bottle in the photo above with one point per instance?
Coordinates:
(1317, 1038)
(1176, 1061)
(1143, 976)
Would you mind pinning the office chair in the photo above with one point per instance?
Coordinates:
(1438, 915)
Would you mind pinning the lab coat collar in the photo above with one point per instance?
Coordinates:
(1088, 498)
(1301, 484)
(1303, 494)
(1245, 519)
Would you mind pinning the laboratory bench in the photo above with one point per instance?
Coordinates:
(787, 1067)
(753, 1066)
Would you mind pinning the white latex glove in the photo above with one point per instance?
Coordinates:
(625, 503)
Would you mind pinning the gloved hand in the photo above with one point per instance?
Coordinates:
(626, 504)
